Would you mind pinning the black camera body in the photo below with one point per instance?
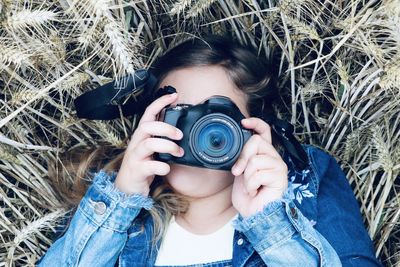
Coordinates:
(212, 133)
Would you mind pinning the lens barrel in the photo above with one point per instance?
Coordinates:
(216, 139)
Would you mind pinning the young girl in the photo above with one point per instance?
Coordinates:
(139, 211)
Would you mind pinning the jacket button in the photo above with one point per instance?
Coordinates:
(293, 212)
(100, 208)
(240, 241)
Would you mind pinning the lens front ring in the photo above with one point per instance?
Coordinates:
(215, 139)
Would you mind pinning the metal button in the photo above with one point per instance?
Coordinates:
(293, 212)
(100, 208)
(240, 241)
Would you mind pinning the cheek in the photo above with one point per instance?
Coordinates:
(198, 182)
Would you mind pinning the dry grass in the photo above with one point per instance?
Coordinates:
(340, 76)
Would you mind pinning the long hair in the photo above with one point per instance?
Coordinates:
(251, 74)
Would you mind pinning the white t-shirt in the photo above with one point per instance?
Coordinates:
(181, 247)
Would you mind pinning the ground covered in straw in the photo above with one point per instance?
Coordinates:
(338, 60)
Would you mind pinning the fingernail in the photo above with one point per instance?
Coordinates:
(181, 151)
(235, 170)
(179, 134)
(172, 95)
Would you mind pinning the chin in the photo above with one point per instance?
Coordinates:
(198, 182)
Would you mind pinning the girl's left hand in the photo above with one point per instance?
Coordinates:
(260, 172)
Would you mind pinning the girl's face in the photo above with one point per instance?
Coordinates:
(194, 85)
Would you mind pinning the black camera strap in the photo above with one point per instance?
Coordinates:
(284, 131)
(105, 102)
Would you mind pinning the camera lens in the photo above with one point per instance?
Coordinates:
(215, 139)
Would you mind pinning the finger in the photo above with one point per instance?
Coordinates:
(155, 128)
(156, 145)
(151, 112)
(259, 126)
(238, 185)
(272, 179)
(159, 128)
(255, 145)
(258, 179)
(154, 167)
(259, 162)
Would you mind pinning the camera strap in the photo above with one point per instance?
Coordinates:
(106, 101)
(284, 131)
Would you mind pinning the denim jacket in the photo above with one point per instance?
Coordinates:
(316, 223)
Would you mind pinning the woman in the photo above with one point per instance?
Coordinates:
(140, 211)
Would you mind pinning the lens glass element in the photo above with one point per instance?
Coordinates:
(215, 139)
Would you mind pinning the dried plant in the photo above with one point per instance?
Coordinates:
(339, 68)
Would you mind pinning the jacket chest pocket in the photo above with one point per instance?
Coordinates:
(255, 261)
(135, 250)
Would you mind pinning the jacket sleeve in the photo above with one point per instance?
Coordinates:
(339, 219)
(283, 236)
(98, 230)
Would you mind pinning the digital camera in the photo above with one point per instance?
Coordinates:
(212, 133)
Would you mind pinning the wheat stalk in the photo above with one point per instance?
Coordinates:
(303, 28)
(28, 18)
(6, 155)
(338, 62)
(382, 148)
(119, 47)
(32, 228)
(198, 8)
(179, 6)
(13, 55)
(22, 96)
(391, 77)
(108, 134)
(74, 81)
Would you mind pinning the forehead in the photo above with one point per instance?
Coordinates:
(196, 84)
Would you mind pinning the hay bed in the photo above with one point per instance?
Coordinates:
(339, 63)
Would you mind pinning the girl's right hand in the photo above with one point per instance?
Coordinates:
(138, 168)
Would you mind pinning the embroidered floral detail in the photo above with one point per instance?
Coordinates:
(298, 184)
(304, 174)
(301, 191)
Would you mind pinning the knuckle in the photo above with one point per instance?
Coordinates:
(252, 162)
(171, 146)
(155, 167)
(245, 175)
(171, 129)
(141, 128)
(252, 185)
(144, 127)
(257, 138)
(282, 165)
(246, 151)
(148, 169)
(147, 143)
(165, 169)
(258, 175)
(134, 156)
(176, 148)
